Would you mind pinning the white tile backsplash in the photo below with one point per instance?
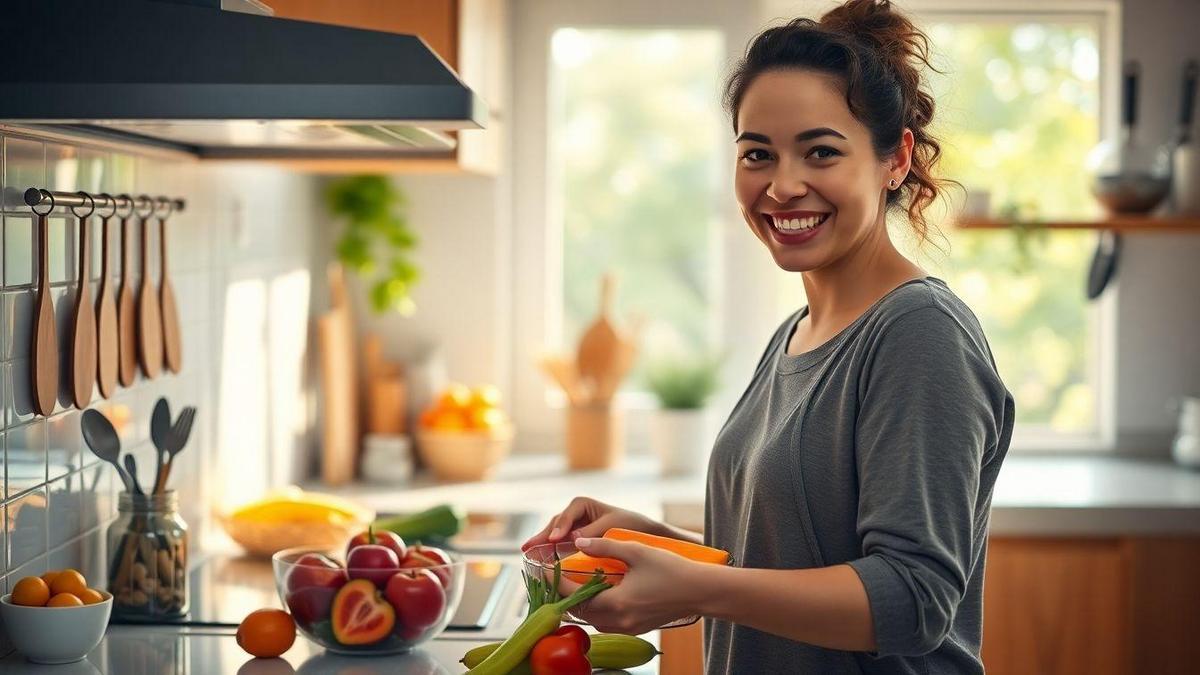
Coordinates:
(244, 224)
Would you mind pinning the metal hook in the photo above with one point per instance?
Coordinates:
(90, 211)
(110, 201)
(161, 202)
(49, 194)
(123, 198)
(146, 201)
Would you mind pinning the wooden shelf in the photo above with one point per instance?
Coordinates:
(1124, 224)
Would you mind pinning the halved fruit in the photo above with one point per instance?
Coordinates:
(360, 614)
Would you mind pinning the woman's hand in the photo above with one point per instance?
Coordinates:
(586, 517)
(658, 588)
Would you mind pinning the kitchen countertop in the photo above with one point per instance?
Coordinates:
(1084, 495)
(211, 650)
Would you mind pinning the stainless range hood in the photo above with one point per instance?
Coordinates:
(224, 84)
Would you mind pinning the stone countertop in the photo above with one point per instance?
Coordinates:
(1085, 495)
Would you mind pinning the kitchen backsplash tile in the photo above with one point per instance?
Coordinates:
(244, 226)
(25, 521)
(20, 263)
(24, 165)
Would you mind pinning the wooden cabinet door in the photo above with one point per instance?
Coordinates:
(1056, 606)
(435, 21)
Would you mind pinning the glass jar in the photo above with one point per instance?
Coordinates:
(148, 548)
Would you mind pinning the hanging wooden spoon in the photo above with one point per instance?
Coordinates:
(126, 307)
(43, 367)
(600, 345)
(83, 326)
(106, 312)
(172, 347)
(149, 322)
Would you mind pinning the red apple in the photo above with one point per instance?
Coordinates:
(372, 562)
(310, 605)
(417, 596)
(383, 538)
(427, 556)
(315, 570)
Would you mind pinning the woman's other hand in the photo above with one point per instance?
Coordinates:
(586, 517)
(659, 587)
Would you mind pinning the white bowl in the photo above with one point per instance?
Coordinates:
(55, 634)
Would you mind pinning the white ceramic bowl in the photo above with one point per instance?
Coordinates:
(55, 634)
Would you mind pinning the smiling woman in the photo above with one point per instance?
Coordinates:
(852, 481)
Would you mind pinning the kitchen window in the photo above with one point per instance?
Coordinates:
(633, 174)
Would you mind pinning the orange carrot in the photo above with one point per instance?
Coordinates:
(687, 549)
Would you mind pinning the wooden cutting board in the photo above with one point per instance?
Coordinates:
(339, 388)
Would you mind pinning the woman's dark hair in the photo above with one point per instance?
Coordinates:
(877, 53)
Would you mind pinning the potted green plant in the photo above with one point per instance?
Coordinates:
(681, 428)
(377, 242)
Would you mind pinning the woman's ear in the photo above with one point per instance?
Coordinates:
(901, 160)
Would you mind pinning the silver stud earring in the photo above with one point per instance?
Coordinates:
(892, 183)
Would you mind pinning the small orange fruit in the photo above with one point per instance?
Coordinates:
(49, 575)
(31, 592)
(65, 600)
(487, 418)
(455, 397)
(485, 396)
(91, 596)
(448, 420)
(68, 581)
(266, 633)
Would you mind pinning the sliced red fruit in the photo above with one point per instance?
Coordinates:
(310, 605)
(360, 614)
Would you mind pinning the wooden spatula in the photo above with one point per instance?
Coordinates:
(150, 351)
(44, 354)
(83, 332)
(600, 344)
(126, 307)
(172, 346)
(106, 315)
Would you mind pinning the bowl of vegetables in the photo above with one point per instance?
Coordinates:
(574, 568)
(380, 597)
(562, 568)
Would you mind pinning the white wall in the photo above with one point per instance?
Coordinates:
(1158, 315)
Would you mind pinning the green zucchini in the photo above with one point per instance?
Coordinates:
(440, 522)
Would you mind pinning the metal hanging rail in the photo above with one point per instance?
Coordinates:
(41, 197)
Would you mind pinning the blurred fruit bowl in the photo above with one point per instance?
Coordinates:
(464, 455)
(291, 517)
(370, 610)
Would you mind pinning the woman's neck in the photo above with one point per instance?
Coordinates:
(845, 289)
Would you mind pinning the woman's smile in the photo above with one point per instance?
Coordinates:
(792, 228)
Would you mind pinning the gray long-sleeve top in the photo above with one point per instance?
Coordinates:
(878, 449)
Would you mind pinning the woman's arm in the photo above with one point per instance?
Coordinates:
(825, 606)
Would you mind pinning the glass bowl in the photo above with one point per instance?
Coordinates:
(538, 563)
(309, 592)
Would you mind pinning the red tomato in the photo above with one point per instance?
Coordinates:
(563, 652)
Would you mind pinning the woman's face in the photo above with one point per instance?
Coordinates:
(808, 181)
